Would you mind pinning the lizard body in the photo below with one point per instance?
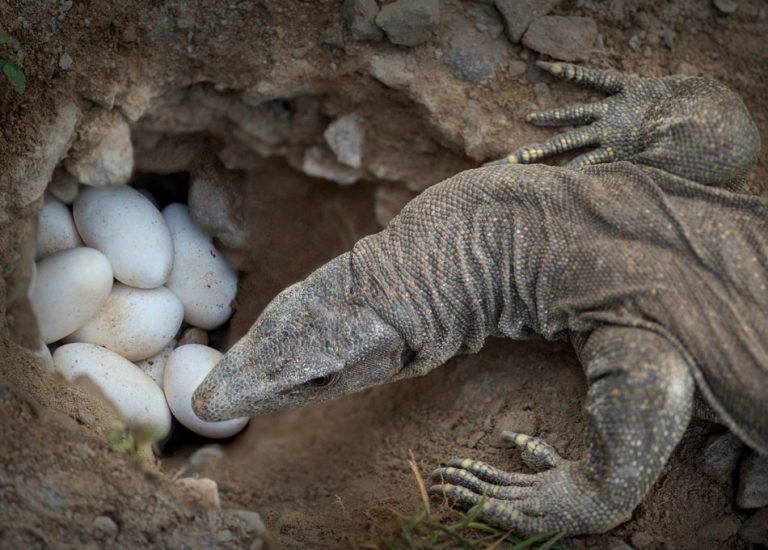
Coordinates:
(644, 253)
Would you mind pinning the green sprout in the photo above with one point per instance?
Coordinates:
(135, 445)
(9, 64)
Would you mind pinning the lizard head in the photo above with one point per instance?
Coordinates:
(316, 340)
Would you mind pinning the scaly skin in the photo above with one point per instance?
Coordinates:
(653, 265)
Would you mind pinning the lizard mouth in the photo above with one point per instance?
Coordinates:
(208, 400)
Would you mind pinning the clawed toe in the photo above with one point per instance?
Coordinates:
(536, 453)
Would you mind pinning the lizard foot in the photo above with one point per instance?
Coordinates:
(614, 121)
(558, 497)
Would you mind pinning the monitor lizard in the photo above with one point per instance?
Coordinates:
(646, 253)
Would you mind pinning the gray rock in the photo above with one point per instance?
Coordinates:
(566, 38)
(85, 417)
(615, 543)
(635, 42)
(193, 335)
(250, 521)
(103, 153)
(720, 529)
(727, 7)
(686, 69)
(668, 38)
(64, 186)
(65, 62)
(345, 138)
(360, 18)
(392, 70)
(214, 204)
(518, 14)
(104, 527)
(319, 162)
(753, 482)
(25, 177)
(641, 539)
(332, 37)
(755, 529)
(517, 68)
(409, 22)
(224, 536)
(469, 62)
(719, 456)
(203, 460)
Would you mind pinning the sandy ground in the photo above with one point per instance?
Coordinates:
(327, 476)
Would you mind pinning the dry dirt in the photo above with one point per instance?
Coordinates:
(189, 77)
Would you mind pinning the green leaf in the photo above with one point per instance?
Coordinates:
(5, 38)
(15, 76)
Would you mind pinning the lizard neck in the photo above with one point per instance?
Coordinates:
(441, 274)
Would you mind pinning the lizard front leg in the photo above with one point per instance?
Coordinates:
(639, 404)
(612, 126)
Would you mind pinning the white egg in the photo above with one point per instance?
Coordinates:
(70, 287)
(138, 400)
(201, 277)
(55, 228)
(155, 366)
(124, 225)
(134, 322)
(185, 370)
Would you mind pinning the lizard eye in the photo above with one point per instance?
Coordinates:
(320, 381)
(407, 356)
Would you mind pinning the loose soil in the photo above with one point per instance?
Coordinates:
(328, 476)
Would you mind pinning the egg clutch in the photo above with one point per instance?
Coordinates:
(115, 280)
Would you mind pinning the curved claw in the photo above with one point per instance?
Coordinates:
(572, 114)
(535, 452)
(457, 476)
(575, 139)
(489, 473)
(608, 81)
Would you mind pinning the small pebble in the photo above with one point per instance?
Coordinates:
(251, 521)
(65, 62)
(193, 335)
(566, 38)
(360, 18)
(753, 482)
(641, 539)
(224, 536)
(755, 529)
(720, 529)
(409, 22)
(345, 138)
(720, 455)
(201, 492)
(203, 459)
(518, 14)
(104, 528)
(727, 7)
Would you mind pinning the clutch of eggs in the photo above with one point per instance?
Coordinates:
(114, 281)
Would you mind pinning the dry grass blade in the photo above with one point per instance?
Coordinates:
(420, 482)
